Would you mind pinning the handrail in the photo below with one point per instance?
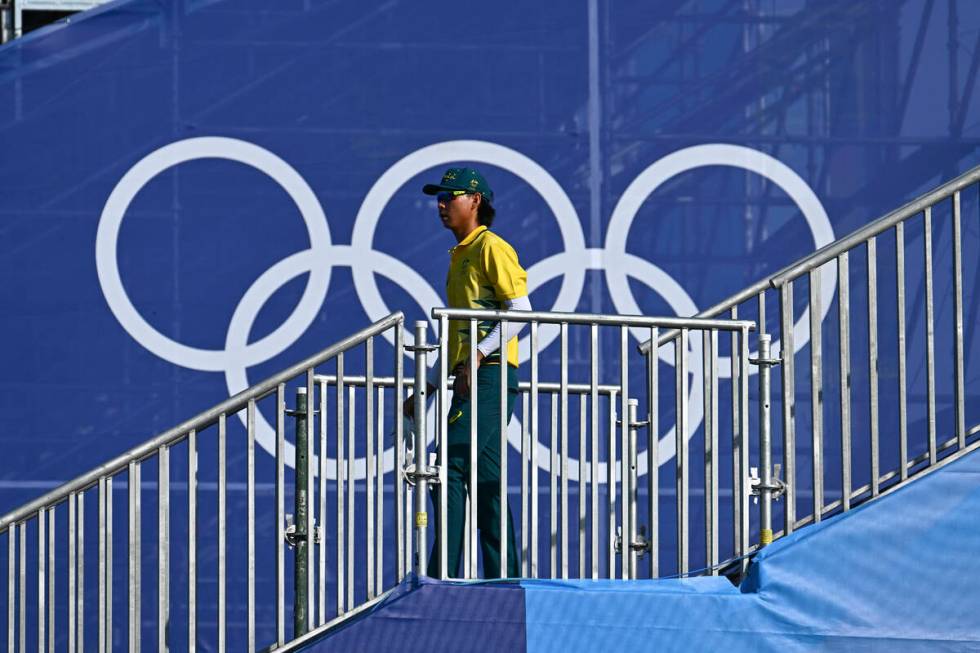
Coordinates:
(592, 318)
(830, 251)
(202, 420)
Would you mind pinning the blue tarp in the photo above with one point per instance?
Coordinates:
(897, 574)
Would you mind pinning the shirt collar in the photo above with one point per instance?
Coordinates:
(470, 237)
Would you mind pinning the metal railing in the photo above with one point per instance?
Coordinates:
(889, 333)
(591, 540)
(259, 527)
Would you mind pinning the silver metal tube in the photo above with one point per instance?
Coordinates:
(322, 524)
(102, 568)
(563, 380)
(873, 359)
(474, 492)
(504, 503)
(341, 493)
(23, 587)
(534, 450)
(281, 513)
(843, 319)
(250, 503)
(816, 393)
(71, 603)
(379, 496)
(192, 541)
(553, 474)
(787, 352)
(134, 558)
(711, 451)
(594, 424)
(311, 522)
(422, 485)
(900, 326)
(739, 475)
(611, 489)
(80, 587)
(163, 549)
(744, 428)
(525, 453)
(108, 566)
(960, 388)
(369, 513)
(351, 482)
(12, 586)
(583, 465)
(653, 452)
(52, 629)
(930, 342)
(761, 323)
(202, 420)
(624, 378)
(222, 536)
(443, 430)
(680, 366)
(401, 565)
(629, 501)
(589, 318)
(765, 444)
(41, 573)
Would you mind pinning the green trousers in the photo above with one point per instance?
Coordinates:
(487, 475)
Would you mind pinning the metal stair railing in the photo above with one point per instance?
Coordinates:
(258, 524)
(912, 227)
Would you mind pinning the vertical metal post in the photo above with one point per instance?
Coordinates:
(504, 450)
(41, 521)
(12, 586)
(72, 605)
(134, 557)
(250, 518)
(368, 465)
(474, 493)
(816, 393)
(624, 443)
(422, 485)
(301, 554)
(960, 388)
(681, 464)
(787, 353)
(222, 536)
(400, 557)
(629, 552)
(903, 448)
(341, 469)
(163, 547)
(765, 443)
(534, 450)
(280, 562)
(873, 360)
(594, 424)
(563, 390)
(930, 336)
(322, 577)
(442, 395)
(739, 475)
(843, 319)
(80, 586)
(653, 449)
(525, 451)
(192, 541)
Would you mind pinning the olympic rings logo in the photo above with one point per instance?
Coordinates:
(365, 262)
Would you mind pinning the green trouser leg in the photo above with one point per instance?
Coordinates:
(488, 478)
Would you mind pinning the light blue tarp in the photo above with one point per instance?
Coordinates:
(898, 574)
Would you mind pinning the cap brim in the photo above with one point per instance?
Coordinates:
(433, 189)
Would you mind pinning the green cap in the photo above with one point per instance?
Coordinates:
(465, 179)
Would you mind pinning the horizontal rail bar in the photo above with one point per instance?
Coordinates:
(524, 386)
(197, 423)
(547, 317)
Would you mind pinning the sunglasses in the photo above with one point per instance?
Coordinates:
(449, 196)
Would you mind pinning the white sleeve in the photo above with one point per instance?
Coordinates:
(491, 342)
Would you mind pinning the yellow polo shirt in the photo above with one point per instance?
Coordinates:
(483, 272)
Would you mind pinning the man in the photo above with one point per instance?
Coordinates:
(484, 273)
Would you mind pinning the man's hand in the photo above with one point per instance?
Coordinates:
(461, 386)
